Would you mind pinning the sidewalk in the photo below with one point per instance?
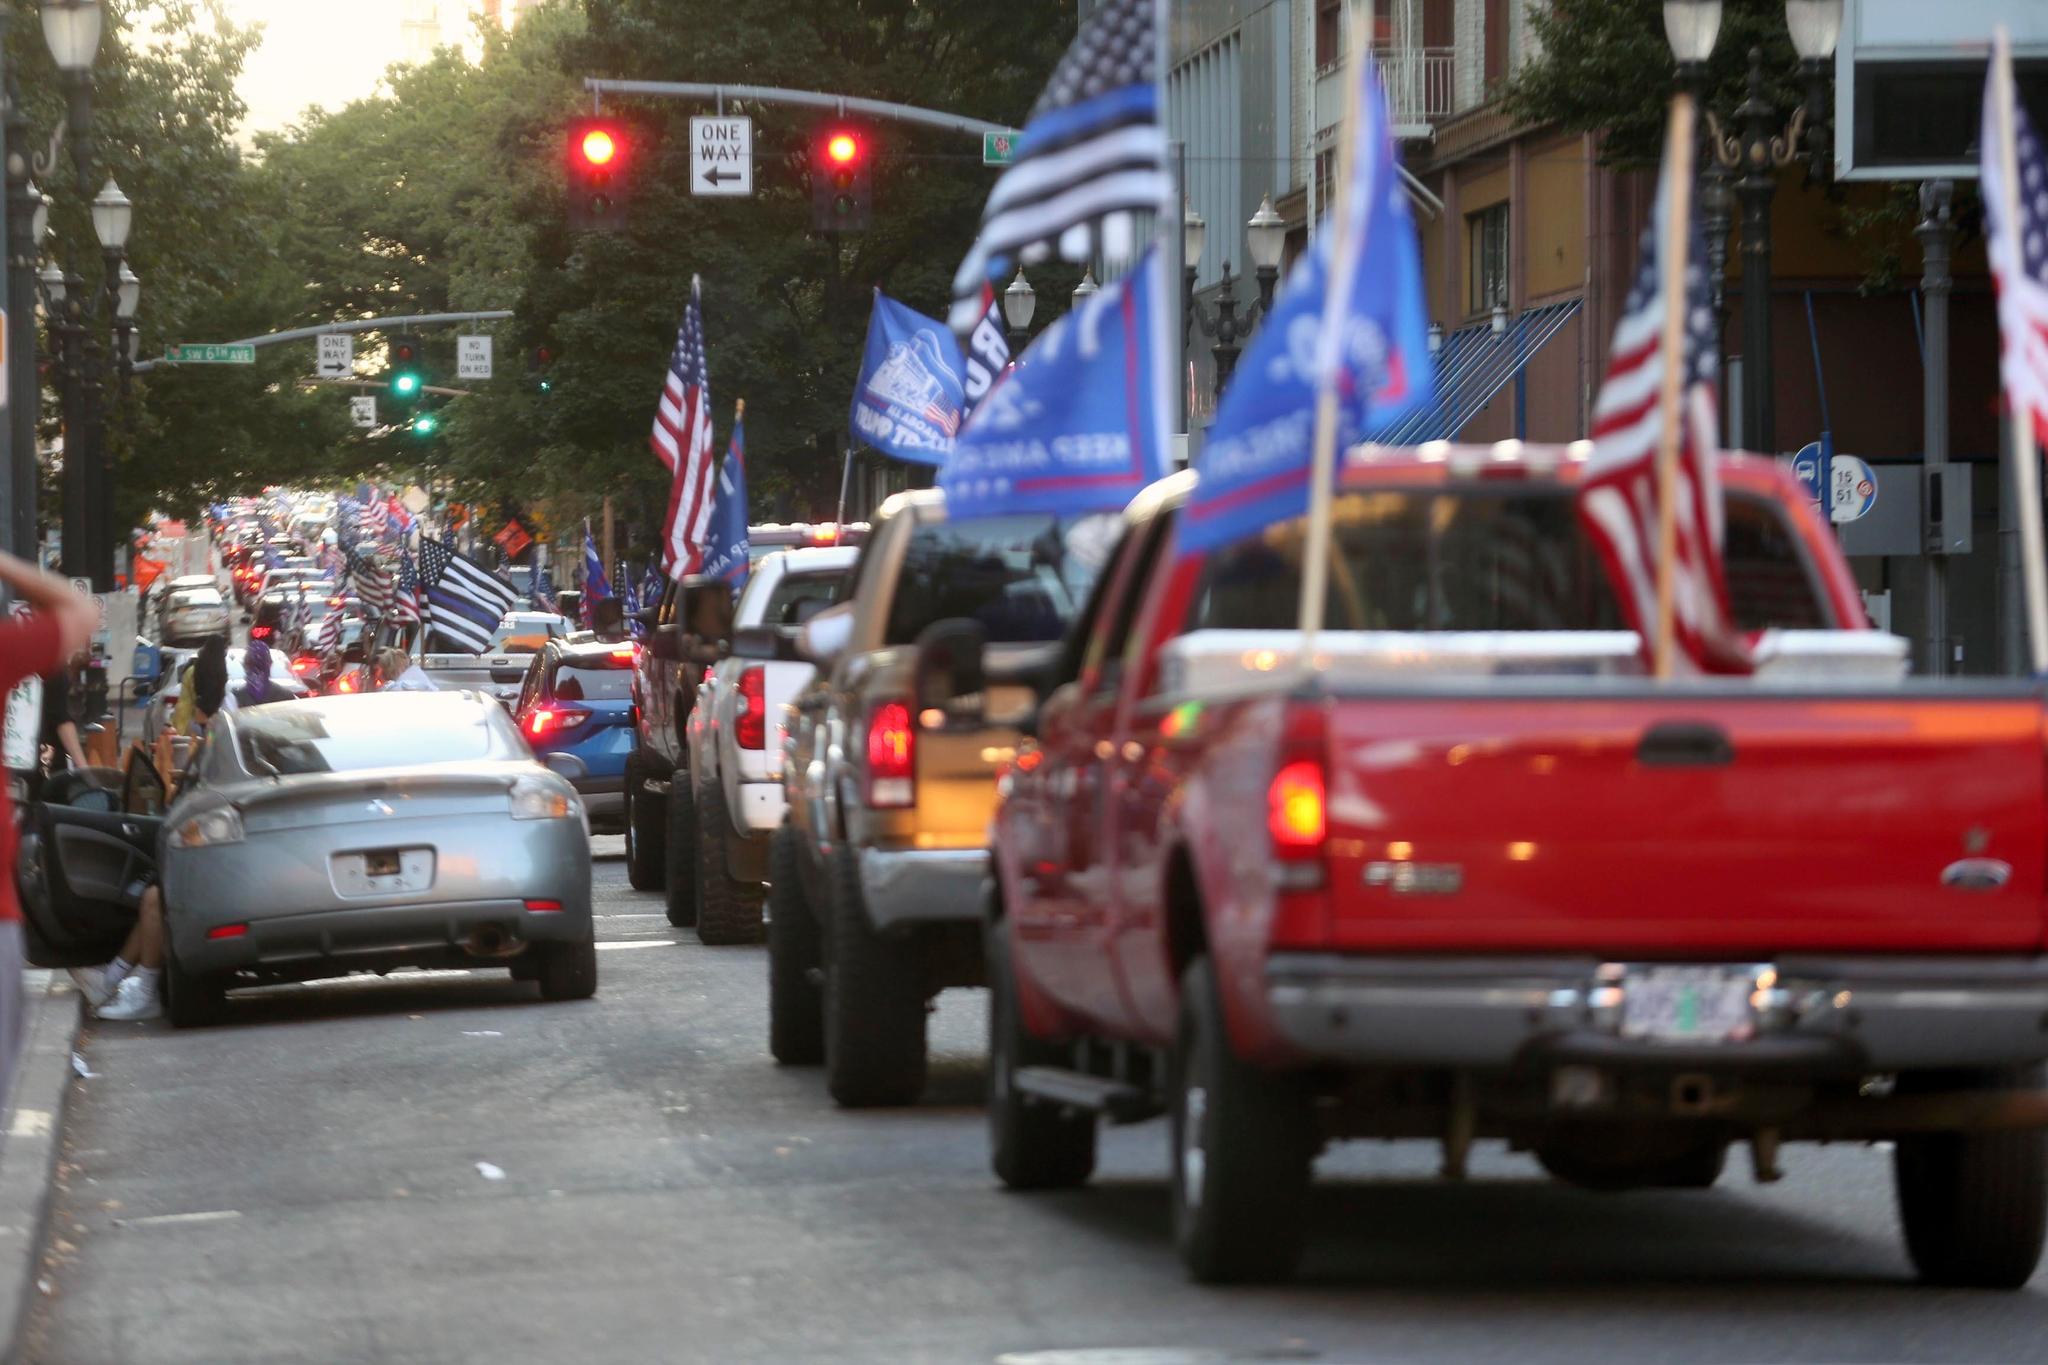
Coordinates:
(34, 1123)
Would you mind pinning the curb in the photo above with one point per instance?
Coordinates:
(29, 1144)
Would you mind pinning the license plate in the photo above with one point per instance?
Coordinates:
(381, 864)
(384, 871)
(1688, 1004)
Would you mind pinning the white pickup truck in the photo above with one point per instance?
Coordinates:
(735, 739)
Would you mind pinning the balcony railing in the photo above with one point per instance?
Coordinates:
(1420, 82)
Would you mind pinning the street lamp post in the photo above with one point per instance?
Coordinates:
(1755, 152)
(1266, 239)
(1020, 301)
(112, 217)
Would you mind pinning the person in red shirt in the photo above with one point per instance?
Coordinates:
(58, 625)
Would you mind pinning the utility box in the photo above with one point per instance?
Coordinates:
(1945, 505)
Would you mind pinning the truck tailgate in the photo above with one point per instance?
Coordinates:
(1673, 826)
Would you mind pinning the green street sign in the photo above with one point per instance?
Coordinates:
(998, 149)
(210, 354)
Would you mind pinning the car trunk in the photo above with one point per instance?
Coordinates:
(307, 801)
(1678, 825)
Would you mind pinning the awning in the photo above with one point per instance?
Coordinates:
(1474, 365)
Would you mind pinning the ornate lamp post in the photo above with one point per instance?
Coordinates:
(1754, 153)
(1020, 301)
(1266, 238)
(112, 217)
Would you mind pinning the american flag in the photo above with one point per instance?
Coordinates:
(405, 603)
(682, 438)
(465, 602)
(1092, 154)
(329, 638)
(1618, 498)
(376, 519)
(2019, 259)
(373, 582)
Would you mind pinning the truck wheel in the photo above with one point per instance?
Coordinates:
(568, 971)
(644, 851)
(874, 1002)
(1034, 1146)
(1974, 1206)
(796, 1008)
(191, 1000)
(1243, 1145)
(728, 911)
(681, 847)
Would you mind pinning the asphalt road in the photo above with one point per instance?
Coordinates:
(448, 1170)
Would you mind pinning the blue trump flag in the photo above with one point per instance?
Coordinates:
(596, 587)
(910, 394)
(1352, 315)
(1083, 421)
(725, 548)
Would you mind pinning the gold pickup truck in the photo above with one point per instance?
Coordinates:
(877, 878)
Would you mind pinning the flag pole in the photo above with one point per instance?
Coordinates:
(2026, 475)
(1676, 240)
(1315, 553)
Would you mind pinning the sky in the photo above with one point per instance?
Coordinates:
(324, 52)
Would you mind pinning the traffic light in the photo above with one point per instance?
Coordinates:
(537, 363)
(601, 154)
(842, 198)
(407, 379)
(425, 424)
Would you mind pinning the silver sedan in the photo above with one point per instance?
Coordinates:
(360, 833)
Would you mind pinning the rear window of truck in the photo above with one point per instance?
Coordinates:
(1483, 559)
(1022, 577)
(792, 591)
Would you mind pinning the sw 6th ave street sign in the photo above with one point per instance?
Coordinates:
(210, 354)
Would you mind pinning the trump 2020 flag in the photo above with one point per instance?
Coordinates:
(1082, 422)
(909, 397)
(725, 550)
(1352, 313)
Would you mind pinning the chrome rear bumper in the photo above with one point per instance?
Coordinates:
(1848, 1014)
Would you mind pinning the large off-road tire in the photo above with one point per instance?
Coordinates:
(1974, 1206)
(874, 1001)
(191, 1000)
(568, 971)
(1243, 1146)
(681, 847)
(796, 1002)
(728, 910)
(646, 830)
(1033, 1145)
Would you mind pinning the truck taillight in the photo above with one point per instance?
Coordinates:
(750, 730)
(1294, 807)
(892, 756)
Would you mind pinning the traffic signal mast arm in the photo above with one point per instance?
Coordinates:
(354, 325)
(814, 99)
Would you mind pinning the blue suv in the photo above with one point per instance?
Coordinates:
(577, 700)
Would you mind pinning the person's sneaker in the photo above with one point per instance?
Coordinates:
(92, 983)
(134, 998)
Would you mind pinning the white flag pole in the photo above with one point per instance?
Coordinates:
(1315, 553)
(2026, 474)
(1676, 239)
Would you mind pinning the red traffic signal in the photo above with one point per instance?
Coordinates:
(841, 195)
(600, 154)
(842, 148)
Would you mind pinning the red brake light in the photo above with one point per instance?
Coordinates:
(553, 720)
(544, 905)
(1294, 807)
(227, 931)
(892, 756)
(260, 632)
(346, 684)
(627, 654)
(305, 664)
(751, 729)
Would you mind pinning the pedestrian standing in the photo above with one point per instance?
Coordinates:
(60, 726)
(59, 624)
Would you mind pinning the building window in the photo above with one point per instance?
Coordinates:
(1487, 232)
(1333, 31)
(1495, 44)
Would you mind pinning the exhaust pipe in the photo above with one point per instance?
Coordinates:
(492, 940)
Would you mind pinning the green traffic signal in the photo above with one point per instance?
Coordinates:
(405, 384)
(425, 424)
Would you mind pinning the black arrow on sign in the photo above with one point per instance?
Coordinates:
(714, 175)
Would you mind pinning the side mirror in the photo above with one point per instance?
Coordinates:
(825, 636)
(949, 662)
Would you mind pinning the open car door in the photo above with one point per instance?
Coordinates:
(83, 867)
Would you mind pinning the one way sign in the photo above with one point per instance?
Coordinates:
(721, 155)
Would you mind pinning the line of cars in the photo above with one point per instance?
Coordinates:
(1470, 876)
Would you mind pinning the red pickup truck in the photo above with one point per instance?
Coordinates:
(1473, 876)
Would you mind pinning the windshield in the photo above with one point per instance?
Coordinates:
(350, 736)
(199, 597)
(785, 603)
(1021, 577)
(1475, 559)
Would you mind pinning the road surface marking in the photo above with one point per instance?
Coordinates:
(642, 943)
(166, 1219)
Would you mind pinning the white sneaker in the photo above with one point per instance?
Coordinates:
(133, 999)
(92, 984)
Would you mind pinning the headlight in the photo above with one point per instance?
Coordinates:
(219, 826)
(535, 798)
